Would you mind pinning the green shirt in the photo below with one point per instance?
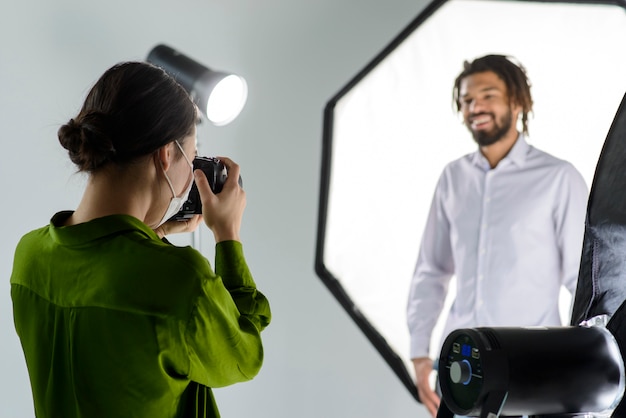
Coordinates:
(115, 322)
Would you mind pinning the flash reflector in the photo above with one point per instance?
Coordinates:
(219, 96)
(531, 371)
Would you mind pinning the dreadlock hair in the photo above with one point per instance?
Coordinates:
(513, 75)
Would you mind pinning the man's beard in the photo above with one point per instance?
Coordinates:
(486, 138)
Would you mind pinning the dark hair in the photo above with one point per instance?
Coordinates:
(513, 75)
(133, 109)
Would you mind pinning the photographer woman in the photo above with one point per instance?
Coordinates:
(115, 321)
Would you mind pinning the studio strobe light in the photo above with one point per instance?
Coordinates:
(530, 371)
(219, 96)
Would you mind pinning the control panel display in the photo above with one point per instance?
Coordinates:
(463, 372)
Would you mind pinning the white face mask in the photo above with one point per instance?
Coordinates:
(177, 203)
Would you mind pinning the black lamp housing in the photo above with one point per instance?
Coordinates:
(220, 96)
(559, 371)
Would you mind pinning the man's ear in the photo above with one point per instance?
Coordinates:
(516, 109)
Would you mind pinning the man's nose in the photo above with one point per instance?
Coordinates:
(476, 106)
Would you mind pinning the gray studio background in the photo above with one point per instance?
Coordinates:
(295, 55)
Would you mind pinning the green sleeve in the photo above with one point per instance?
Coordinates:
(231, 265)
(223, 335)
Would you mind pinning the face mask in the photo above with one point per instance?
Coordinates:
(176, 203)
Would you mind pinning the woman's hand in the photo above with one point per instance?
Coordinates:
(175, 227)
(222, 212)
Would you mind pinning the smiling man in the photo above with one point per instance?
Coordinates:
(506, 220)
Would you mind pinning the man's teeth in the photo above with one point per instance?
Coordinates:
(480, 121)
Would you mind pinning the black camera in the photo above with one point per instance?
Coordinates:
(216, 173)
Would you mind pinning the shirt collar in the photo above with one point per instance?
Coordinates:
(517, 155)
(95, 229)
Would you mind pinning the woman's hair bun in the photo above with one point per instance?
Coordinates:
(134, 109)
(86, 138)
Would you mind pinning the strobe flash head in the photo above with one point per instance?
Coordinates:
(561, 371)
(220, 96)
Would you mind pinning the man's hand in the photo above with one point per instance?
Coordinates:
(423, 368)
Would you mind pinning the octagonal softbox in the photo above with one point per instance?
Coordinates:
(389, 132)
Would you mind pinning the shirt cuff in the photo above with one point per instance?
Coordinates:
(231, 266)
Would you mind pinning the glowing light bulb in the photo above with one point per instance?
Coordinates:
(227, 100)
